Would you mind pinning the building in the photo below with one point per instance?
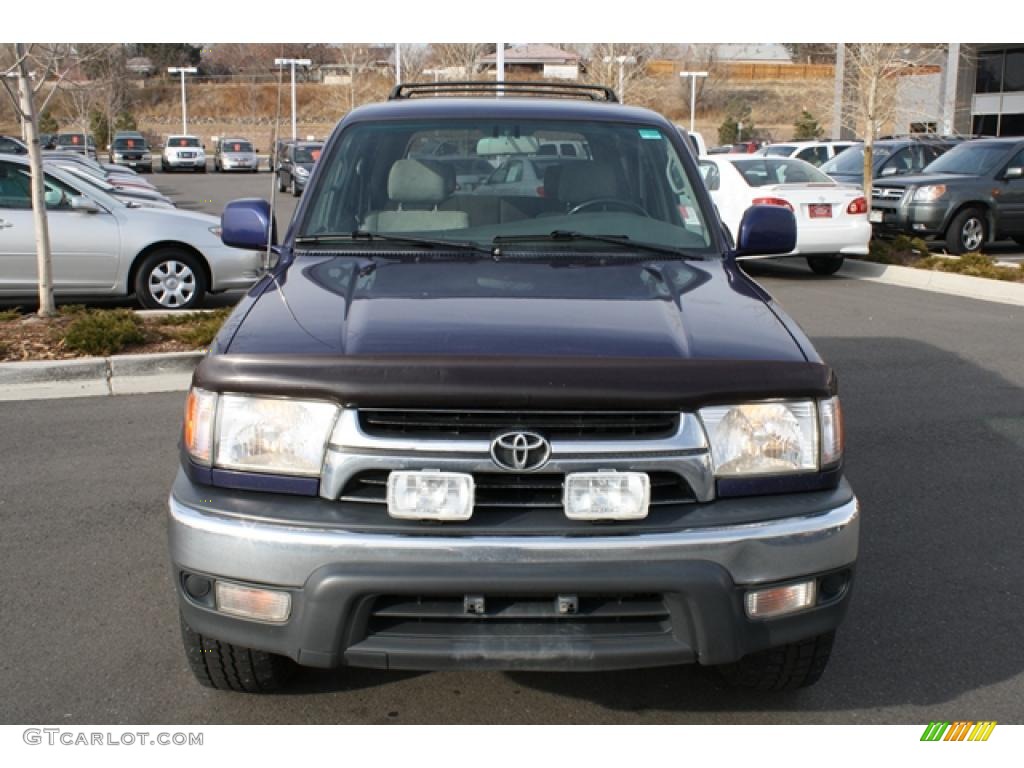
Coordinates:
(996, 102)
(535, 59)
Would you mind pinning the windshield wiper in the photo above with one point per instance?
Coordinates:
(563, 235)
(361, 235)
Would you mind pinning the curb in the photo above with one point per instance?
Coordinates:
(94, 376)
(982, 288)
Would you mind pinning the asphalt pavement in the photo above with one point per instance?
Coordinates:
(931, 386)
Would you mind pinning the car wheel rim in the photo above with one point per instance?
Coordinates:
(972, 234)
(172, 284)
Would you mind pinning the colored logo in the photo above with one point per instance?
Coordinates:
(961, 730)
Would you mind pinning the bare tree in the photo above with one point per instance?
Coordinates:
(872, 73)
(460, 59)
(35, 65)
(357, 60)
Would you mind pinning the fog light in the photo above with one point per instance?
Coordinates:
(607, 495)
(253, 603)
(778, 601)
(430, 495)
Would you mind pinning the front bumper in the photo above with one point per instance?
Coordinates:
(920, 219)
(185, 162)
(336, 578)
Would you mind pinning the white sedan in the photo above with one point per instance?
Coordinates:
(167, 257)
(831, 219)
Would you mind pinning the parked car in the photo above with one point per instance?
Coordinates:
(115, 174)
(131, 150)
(832, 220)
(297, 164)
(574, 149)
(470, 171)
(132, 195)
(891, 157)
(168, 258)
(814, 152)
(464, 430)
(9, 145)
(183, 152)
(969, 197)
(77, 142)
(236, 155)
(47, 141)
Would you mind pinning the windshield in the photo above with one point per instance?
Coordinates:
(780, 150)
(393, 178)
(970, 159)
(73, 140)
(307, 154)
(183, 141)
(130, 143)
(236, 146)
(765, 171)
(852, 160)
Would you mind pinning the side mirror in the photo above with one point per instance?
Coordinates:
(1015, 172)
(84, 204)
(766, 230)
(247, 224)
(890, 170)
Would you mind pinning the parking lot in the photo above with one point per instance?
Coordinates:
(931, 387)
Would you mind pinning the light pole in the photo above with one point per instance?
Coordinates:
(184, 109)
(623, 61)
(693, 92)
(293, 63)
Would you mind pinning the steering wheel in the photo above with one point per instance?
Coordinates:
(622, 204)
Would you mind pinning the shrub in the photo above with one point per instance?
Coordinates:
(103, 332)
(901, 250)
(198, 328)
(974, 265)
(9, 315)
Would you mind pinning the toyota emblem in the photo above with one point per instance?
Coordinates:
(520, 451)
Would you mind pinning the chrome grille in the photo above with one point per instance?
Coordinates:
(887, 193)
(553, 425)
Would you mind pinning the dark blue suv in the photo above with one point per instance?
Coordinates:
(555, 429)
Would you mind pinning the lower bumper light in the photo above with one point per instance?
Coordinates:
(607, 495)
(779, 601)
(430, 495)
(253, 603)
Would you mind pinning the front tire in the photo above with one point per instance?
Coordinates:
(825, 265)
(170, 278)
(785, 668)
(228, 667)
(967, 232)
(281, 186)
(294, 188)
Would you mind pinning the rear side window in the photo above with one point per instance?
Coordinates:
(813, 155)
(712, 178)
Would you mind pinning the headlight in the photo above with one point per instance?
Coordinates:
(762, 438)
(929, 193)
(300, 171)
(258, 434)
(118, 156)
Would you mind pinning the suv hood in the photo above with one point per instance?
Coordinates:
(920, 179)
(350, 306)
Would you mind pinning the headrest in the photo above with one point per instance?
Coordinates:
(586, 180)
(414, 181)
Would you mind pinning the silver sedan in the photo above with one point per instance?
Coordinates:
(169, 258)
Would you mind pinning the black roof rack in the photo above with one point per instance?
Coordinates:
(511, 88)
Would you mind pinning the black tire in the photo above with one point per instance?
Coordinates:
(229, 667)
(786, 668)
(165, 168)
(281, 186)
(148, 288)
(294, 188)
(968, 231)
(825, 265)
(1018, 239)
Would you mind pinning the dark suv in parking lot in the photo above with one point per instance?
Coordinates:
(970, 196)
(891, 157)
(557, 431)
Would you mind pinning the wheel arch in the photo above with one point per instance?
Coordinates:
(981, 205)
(152, 247)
